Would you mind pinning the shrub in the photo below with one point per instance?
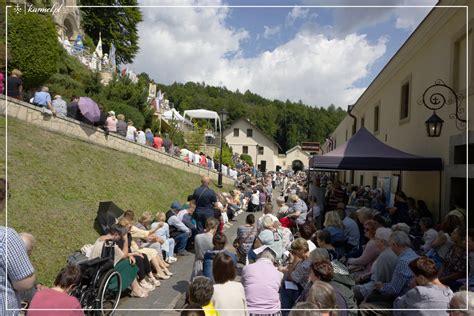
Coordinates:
(226, 156)
(34, 48)
(247, 159)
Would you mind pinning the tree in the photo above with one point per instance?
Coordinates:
(117, 25)
(247, 159)
(34, 48)
(226, 155)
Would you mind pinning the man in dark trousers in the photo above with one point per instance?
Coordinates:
(205, 201)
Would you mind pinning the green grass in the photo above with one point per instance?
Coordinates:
(56, 183)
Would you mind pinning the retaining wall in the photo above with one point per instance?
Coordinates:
(31, 114)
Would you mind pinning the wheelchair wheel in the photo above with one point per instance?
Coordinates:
(108, 296)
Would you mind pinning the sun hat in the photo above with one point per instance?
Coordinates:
(175, 205)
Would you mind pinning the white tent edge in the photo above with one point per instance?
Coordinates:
(204, 114)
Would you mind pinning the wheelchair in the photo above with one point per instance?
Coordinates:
(100, 286)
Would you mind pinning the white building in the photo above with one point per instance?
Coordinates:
(391, 108)
(246, 138)
(292, 155)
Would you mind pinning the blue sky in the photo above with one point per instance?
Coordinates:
(321, 56)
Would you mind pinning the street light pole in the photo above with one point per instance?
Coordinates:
(219, 178)
(222, 115)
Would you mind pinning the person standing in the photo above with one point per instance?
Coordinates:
(15, 85)
(205, 200)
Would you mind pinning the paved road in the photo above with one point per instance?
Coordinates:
(171, 291)
(170, 294)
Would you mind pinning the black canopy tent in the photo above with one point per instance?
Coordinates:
(363, 151)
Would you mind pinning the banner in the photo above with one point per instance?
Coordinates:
(98, 49)
(152, 90)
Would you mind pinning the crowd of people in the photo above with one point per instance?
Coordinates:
(324, 245)
(118, 125)
(284, 259)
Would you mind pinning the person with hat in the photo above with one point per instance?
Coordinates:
(60, 106)
(178, 230)
(111, 122)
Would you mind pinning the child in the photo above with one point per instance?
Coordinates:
(164, 232)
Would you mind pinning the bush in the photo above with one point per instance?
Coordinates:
(34, 48)
(247, 159)
(226, 156)
(65, 86)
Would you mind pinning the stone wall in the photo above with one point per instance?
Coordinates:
(33, 115)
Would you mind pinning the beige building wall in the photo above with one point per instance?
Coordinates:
(270, 149)
(295, 153)
(436, 50)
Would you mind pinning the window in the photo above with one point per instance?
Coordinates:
(374, 182)
(459, 61)
(362, 122)
(405, 101)
(249, 132)
(460, 154)
(236, 132)
(260, 150)
(376, 118)
(245, 149)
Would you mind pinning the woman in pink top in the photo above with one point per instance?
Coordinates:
(2, 78)
(111, 122)
(363, 264)
(54, 301)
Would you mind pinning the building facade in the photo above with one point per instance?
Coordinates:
(246, 138)
(295, 154)
(391, 108)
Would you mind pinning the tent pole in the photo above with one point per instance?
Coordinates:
(439, 198)
(401, 182)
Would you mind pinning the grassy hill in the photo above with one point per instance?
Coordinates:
(56, 183)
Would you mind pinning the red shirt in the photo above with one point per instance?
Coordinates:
(157, 142)
(52, 299)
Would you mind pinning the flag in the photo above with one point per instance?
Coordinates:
(98, 49)
(112, 55)
(78, 44)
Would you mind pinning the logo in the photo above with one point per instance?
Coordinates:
(30, 8)
(17, 9)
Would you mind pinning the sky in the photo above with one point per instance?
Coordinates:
(321, 56)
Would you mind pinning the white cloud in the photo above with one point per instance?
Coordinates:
(347, 20)
(187, 44)
(296, 13)
(270, 31)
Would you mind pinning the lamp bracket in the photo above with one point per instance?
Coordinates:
(440, 94)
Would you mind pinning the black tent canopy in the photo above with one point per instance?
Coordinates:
(364, 151)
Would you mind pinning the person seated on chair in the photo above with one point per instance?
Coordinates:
(124, 262)
(59, 296)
